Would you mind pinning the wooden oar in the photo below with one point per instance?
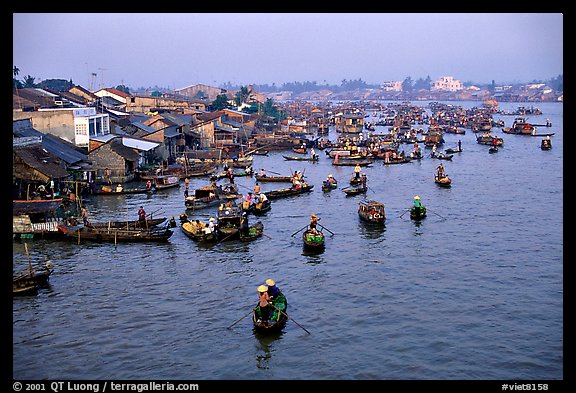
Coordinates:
(250, 312)
(404, 213)
(323, 227)
(298, 230)
(230, 235)
(287, 316)
(437, 214)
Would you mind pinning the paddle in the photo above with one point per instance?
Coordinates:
(304, 227)
(323, 227)
(221, 240)
(404, 213)
(250, 312)
(269, 237)
(437, 214)
(290, 318)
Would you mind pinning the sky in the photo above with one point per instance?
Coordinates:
(175, 50)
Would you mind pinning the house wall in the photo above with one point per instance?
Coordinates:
(206, 131)
(105, 157)
(146, 104)
(59, 123)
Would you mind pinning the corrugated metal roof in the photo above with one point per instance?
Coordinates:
(143, 127)
(171, 132)
(57, 146)
(140, 144)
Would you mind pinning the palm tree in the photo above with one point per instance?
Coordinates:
(16, 71)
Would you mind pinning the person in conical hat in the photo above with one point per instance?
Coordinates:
(273, 290)
(313, 221)
(417, 201)
(263, 310)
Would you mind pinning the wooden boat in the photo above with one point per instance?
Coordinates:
(398, 160)
(355, 181)
(453, 150)
(355, 191)
(546, 144)
(224, 174)
(487, 139)
(197, 231)
(258, 208)
(329, 186)
(30, 206)
(493, 149)
(372, 212)
(442, 156)
(75, 232)
(443, 181)
(340, 162)
(417, 213)
(314, 240)
(276, 321)
(106, 190)
(260, 152)
(286, 192)
(211, 196)
(263, 179)
(199, 171)
(243, 162)
(230, 218)
(293, 158)
(128, 224)
(300, 150)
(254, 232)
(166, 181)
(29, 280)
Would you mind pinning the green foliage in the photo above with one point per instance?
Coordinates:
(220, 102)
(123, 88)
(55, 84)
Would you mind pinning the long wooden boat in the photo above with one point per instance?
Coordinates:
(372, 212)
(442, 156)
(443, 181)
(400, 160)
(166, 181)
(286, 192)
(489, 139)
(106, 190)
(263, 179)
(417, 213)
(115, 234)
(20, 206)
(276, 321)
(341, 162)
(28, 281)
(314, 240)
(355, 191)
(294, 158)
(199, 171)
(128, 224)
(211, 196)
(453, 150)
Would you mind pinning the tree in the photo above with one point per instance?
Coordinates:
(17, 83)
(56, 84)
(123, 88)
(29, 81)
(242, 95)
(407, 85)
(220, 102)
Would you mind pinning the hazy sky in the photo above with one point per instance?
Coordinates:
(177, 50)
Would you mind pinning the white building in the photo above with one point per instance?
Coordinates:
(447, 83)
(392, 86)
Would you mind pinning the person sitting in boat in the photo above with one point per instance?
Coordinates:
(331, 179)
(211, 226)
(141, 214)
(296, 183)
(273, 290)
(363, 180)
(262, 172)
(440, 170)
(148, 185)
(119, 188)
(263, 309)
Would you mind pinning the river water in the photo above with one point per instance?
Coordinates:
(473, 292)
